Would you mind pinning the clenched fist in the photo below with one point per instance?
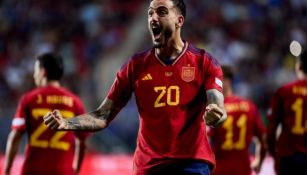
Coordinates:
(54, 120)
(213, 115)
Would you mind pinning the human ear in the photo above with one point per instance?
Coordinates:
(180, 21)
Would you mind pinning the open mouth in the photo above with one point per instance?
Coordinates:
(156, 30)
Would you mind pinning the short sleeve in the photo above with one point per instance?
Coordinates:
(213, 73)
(19, 120)
(121, 89)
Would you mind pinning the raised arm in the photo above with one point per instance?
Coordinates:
(92, 121)
(215, 113)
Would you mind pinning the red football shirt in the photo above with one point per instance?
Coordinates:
(231, 140)
(47, 151)
(289, 108)
(171, 100)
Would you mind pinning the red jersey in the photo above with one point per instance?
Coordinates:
(231, 140)
(171, 101)
(47, 152)
(289, 108)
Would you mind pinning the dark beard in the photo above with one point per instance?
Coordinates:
(157, 45)
(167, 33)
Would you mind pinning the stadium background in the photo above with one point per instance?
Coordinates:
(97, 36)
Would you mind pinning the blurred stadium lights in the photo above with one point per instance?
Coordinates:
(295, 48)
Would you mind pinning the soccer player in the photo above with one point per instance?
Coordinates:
(178, 90)
(47, 152)
(288, 109)
(231, 141)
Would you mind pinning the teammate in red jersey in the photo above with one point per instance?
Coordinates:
(178, 89)
(288, 108)
(231, 141)
(47, 151)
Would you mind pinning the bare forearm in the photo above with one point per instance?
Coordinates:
(260, 149)
(92, 121)
(271, 138)
(79, 155)
(262, 154)
(217, 98)
(11, 150)
(264, 148)
(9, 158)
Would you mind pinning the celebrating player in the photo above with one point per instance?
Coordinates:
(47, 151)
(178, 89)
(288, 108)
(231, 141)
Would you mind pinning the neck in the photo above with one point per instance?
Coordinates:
(304, 76)
(172, 49)
(54, 83)
(301, 75)
(228, 92)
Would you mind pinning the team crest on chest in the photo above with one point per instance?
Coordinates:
(188, 74)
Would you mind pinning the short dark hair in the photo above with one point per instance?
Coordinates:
(228, 72)
(303, 61)
(180, 5)
(53, 64)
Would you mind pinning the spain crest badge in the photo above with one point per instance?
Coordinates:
(188, 74)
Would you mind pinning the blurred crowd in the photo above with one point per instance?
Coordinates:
(80, 30)
(251, 35)
(254, 37)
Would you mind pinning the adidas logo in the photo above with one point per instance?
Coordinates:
(147, 77)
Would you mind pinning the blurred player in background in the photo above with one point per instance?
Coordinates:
(178, 89)
(231, 141)
(288, 108)
(47, 151)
